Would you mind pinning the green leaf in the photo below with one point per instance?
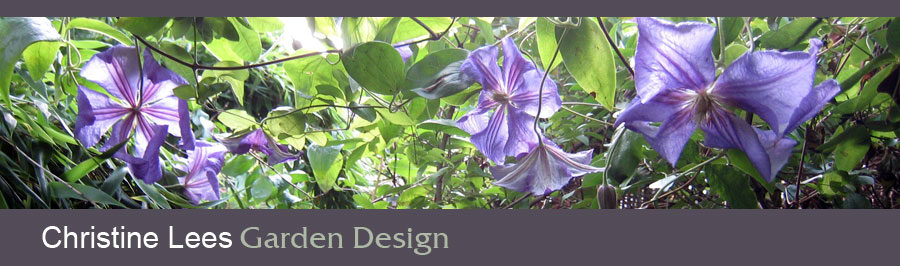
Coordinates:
(179, 52)
(546, 42)
(325, 25)
(284, 122)
(153, 193)
(368, 114)
(237, 87)
(789, 35)
(221, 49)
(833, 183)
(856, 201)
(731, 28)
(222, 27)
(143, 26)
(89, 165)
(185, 92)
(589, 58)
(99, 27)
(265, 24)
(437, 75)
(443, 125)
(376, 66)
(330, 90)
(850, 148)
(180, 200)
(248, 47)
(60, 190)
(308, 72)
(262, 188)
(238, 165)
(866, 95)
(624, 154)
(739, 159)
(408, 29)
(15, 35)
(363, 201)
(525, 21)
(386, 31)
(356, 30)
(237, 119)
(875, 63)
(397, 118)
(326, 163)
(208, 87)
(113, 182)
(38, 58)
(733, 51)
(893, 36)
(732, 185)
(461, 98)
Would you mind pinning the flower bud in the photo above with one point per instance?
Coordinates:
(606, 197)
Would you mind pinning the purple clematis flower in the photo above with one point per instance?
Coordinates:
(147, 167)
(546, 168)
(405, 52)
(677, 87)
(501, 124)
(258, 140)
(202, 166)
(131, 108)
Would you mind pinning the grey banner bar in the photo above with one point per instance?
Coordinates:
(451, 8)
(473, 237)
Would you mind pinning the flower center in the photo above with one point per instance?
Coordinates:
(501, 98)
(704, 104)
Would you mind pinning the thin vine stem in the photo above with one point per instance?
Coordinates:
(585, 116)
(615, 47)
(537, 116)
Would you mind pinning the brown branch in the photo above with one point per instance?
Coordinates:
(800, 166)
(199, 66)
(615, 47)
(439, 189)
(430, 32)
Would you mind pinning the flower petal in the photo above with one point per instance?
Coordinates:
(672, 56)
(117, 70)
(235, 143)
(813, 103)
(165, 112)
(482, 65)
(121, 131)
(184, 123)
(658, 109)
(147, 167)
(545, 169)
(779, 150)
(144, 131)
(159, 82)
(405, 52)
(522, 137)
(525, 94)
(772, 84)
(514, 66)
(766, 151)
(203, 165)
(474, 121)
(492, 140)
(96, 114)
(677, 123)
(278, 153)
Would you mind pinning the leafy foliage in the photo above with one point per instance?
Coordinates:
(376, 127)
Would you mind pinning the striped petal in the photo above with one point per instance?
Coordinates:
(546, 168)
